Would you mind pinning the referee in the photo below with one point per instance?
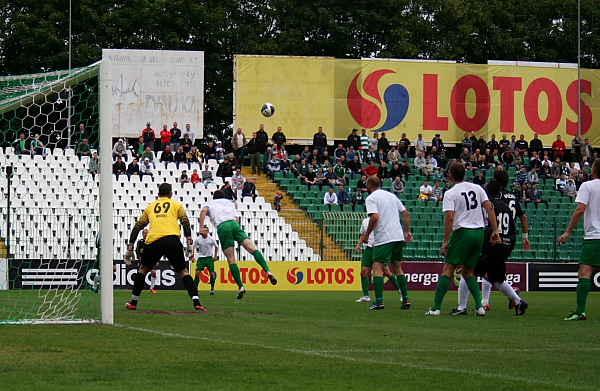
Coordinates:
(163, 238)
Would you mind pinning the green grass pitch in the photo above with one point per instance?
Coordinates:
(308, 341)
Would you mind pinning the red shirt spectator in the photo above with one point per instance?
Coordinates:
(371, 169)
(558, 147)
(165, 136)
(195, 178)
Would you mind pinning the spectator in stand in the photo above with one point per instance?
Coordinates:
(395, 171)
(442, 160)
(285, 164)
(147, 168)
(278, 137)
(371, 156)
(521, 176)
(194, 156)
(507, 159)
(535, 145)
(427, 168)
(358, 198)
(303, 169)
(190, 132)
(439, 175)
(306, 154)
(532, 177)
(149, 155)
(320, 141)
(381, 157)
(320, 178)
(479, 179)
(383, 172)
(237, 180)
(273, 167)
(535, 197)
(139, 148)
(561, 184)
(94, 165)
(262, 140)
(535, 161)
(393, 156)
(576, 145)
(165, 137)
(249, 189)
(362, 182)
(210, 151)
(277, 200)
(339, 152)
(406, 171)
(340, 170)
(491, 159)
(513, 143)
(564, 169)
(184, 177)
(83, 148)
(465, 157)
(344, 197)
(558, 148)
(477, 160)
(437, 143)
(195, 178)
(332, 178)
(133, 168)
(420, 145)
(492, 145)
(434, 153)
(397, 186)
(571, 189)
(365, 144)
(446, 188)
(419, 160)
(36, 146)
(371, 169)
(310, 177)
(353, 140)
(207, 176)
(374, 142)
(149, 136)
(467, 144)
(180, 157)
(404, 146)
(175, 137)
(545, 173)
(383, 143)
(504, 144)
(555, 171)
(225, 168)
(437, 193)
(186, 143)
(80, 134)
(219, 150)
(473, 140)
(517, 191)
(480, 144)
(119, 150)
(521, 146)
(587, 150)
(326, 159)
(425, 192)
(229, 193)
(525, 196)
(238, 142)
(254, 153)
(166, 156)
(354, 166)
(330, 198)
(581, 177)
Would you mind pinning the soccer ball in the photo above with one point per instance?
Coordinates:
(267, 109)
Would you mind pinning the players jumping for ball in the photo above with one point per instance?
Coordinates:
(206, 252)
(224, 216)
(588, 207)
(163, 238)
(463, 235)
(384, 210)
(492, 261)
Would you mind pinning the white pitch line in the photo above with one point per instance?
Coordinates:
(475, 350)
(319, 353)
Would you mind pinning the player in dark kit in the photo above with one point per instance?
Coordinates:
(492, 262)
(164, 216)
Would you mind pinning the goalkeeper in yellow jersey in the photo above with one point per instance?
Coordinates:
(163, 238)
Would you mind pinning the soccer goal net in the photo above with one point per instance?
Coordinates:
(49, 203)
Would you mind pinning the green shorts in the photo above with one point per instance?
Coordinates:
(230, 232)
(465, 246)
(389, 252)
(590, 252)
(207, 262)
(367, 257)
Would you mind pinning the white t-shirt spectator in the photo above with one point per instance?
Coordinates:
(330, 198)
(589, 194)
(425, 189)
(388, 207)
(465, 200)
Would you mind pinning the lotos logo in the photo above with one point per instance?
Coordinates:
(368, 112)
(294, 276)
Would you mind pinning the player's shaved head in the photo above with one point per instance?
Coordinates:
(373, 182)
(502, 178)
(457, 170)
(492, 189)
(165, 190)
(219, 194)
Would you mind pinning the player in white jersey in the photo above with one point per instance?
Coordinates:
(588, 207)
(206, 252)
(224, 216)
(463, 235)
(384, 210)
(367, 264)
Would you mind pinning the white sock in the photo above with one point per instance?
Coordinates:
(508, 291)
(486, 290)
(96, 281)
(463, 294)
(152, 282)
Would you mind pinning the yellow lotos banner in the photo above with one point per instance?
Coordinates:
(296, 276)
(414, 97)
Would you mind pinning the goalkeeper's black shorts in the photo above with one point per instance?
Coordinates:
(168, 246)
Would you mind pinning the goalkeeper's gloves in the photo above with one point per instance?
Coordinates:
(189, 250)
(128, 257)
